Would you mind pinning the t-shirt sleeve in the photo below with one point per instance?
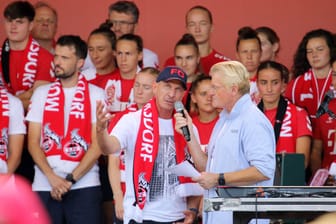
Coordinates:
(150, 59)
(37, 101)
(16, 114)
(303, 123)
(260, 152)
(126, 130)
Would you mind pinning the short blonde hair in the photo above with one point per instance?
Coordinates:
(233, 73)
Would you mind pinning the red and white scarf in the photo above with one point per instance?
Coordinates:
(146, 149)
(72, 145)
(26, 69)
(4, 123)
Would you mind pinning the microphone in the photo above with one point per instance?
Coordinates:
(323, 108)
(179, 109)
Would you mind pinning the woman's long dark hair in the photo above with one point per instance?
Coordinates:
(301, 64)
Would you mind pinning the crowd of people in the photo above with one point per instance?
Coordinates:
(94, 127)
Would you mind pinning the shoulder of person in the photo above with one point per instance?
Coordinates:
(149, 52)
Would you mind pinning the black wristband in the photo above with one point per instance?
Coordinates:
(221, 179)
(69, 177)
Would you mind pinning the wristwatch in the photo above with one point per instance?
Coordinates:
(69, 177)
(221, 179)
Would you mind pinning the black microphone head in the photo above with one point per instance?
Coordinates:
(178, 106)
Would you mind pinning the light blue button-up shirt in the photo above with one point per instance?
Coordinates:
(241, 139)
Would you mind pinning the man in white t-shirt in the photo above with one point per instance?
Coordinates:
(153, 195)
(62, 139)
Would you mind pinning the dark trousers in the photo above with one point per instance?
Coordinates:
(153, 222)
(77, 206)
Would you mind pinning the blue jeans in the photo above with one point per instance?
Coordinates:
(77, 206)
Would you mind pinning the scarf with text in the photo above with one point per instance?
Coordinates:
(4, 123)
(26, 69)
(279, 117)
(73, 145)
(146, 149)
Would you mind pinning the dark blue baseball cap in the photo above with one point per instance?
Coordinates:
(173, 73)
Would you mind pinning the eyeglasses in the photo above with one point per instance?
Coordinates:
(42, 21)
(121, 23)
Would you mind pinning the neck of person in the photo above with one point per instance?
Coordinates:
(322, 73)
(206, 117)
(106, 70)
(18, 45)
(46, 44)
(233, 102)
(70, 81)
(128, 75)
(271, 105)
(164, 113)
(140, 105)
(204, 49)
(252, 74)
(191, 77)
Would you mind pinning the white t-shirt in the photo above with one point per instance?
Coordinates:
(162, 203)
(62, 167)
(16, 123)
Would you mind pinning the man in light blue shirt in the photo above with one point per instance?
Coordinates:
(241, 150)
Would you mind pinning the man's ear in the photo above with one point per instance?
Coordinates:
(234, 90)
(31, 26)
(80, 63)
(275, 47)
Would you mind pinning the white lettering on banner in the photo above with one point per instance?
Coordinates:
(52, 69)
(52, 102)
(309, 127)
(304, 96)
(32, 56)
(286, 127)
(331, 141)
(77, 106)
(30, 67)
(148, 122)
(147, 136)
(5, 103)
(307, 76)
